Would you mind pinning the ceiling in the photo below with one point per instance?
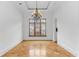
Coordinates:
(37, 4)
(45, 6)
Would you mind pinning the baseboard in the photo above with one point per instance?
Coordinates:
(9, 48)
(38, 39)
(68, 49)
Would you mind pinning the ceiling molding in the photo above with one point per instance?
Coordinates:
(40, 8)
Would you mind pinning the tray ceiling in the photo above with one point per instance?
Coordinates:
(42, 5)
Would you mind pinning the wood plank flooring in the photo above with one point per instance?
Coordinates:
(45, 48)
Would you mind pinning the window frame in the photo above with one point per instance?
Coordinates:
(40, 28)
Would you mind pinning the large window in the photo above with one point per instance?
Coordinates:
(37, 27)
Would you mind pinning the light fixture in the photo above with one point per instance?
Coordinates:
(20, 3)
(36, 12)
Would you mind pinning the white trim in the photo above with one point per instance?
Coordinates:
(9, 48)
(68, 49)
(37, 39)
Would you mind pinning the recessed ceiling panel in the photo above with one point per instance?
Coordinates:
(39, 4)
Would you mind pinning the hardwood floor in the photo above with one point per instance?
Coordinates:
(38, 48)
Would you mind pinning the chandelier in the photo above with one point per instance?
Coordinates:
(36, 12)
(37, 24)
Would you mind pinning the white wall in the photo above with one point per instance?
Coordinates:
(49, 28)
(10, 26)
(68, 26)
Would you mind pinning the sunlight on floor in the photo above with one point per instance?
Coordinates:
(37, 50)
